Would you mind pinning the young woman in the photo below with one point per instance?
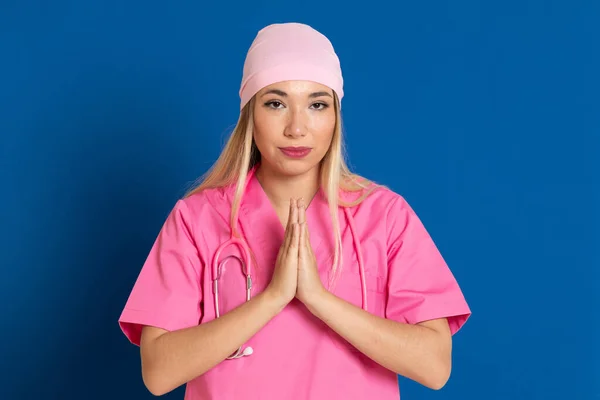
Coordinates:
(283, 275)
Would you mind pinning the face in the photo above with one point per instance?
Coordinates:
(293, 126)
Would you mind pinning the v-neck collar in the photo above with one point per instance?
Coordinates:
(258, 208)
(264, 233)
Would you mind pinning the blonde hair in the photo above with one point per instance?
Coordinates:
(335, 176)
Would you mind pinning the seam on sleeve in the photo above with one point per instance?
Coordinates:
(191, 228)
(187, 220)
(391, 206)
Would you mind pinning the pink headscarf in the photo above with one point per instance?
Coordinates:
(290, 51)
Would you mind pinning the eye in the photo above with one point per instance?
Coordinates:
(320, 106)
(273, 104)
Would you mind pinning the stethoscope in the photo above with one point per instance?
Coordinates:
(217, 267)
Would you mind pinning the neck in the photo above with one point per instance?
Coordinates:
(280, 188)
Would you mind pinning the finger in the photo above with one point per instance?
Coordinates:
(291, 220)
(296, 241)
(302, 242)
(301, 211)
(294, 212)
(292, 249)
(302, 222)
(290, 213)
(288, 229)
(307, 238)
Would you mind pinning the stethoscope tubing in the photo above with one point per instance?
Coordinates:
(217, 267)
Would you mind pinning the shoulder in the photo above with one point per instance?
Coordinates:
(209, 197)
(378, 201)
(205, 205)
(388, 212)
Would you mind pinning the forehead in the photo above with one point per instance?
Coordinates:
(297, 87)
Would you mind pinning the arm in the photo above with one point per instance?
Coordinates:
(424, 306)
(170, 359)
(421, 352)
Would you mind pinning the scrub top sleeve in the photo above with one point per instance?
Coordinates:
(167, 293)
(421, 286)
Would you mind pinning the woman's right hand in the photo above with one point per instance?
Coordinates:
(171, 359)
(285, 276)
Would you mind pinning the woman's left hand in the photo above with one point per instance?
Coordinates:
(309, 281)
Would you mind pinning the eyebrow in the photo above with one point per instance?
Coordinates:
(284, 94)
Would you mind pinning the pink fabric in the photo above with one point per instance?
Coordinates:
(296, 356)
(290, 51)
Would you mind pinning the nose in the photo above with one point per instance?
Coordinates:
(296, 124)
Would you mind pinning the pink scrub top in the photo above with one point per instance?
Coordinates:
(296, 356)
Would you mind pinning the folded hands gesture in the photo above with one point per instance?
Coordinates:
(296, 272)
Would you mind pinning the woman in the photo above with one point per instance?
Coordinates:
(328, 285)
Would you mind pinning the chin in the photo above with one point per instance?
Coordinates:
(291, 168)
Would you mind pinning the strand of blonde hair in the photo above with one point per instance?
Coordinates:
(239, 155)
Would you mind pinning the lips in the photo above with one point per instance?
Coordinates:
(295, 152)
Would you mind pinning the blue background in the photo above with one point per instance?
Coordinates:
(484, 115)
